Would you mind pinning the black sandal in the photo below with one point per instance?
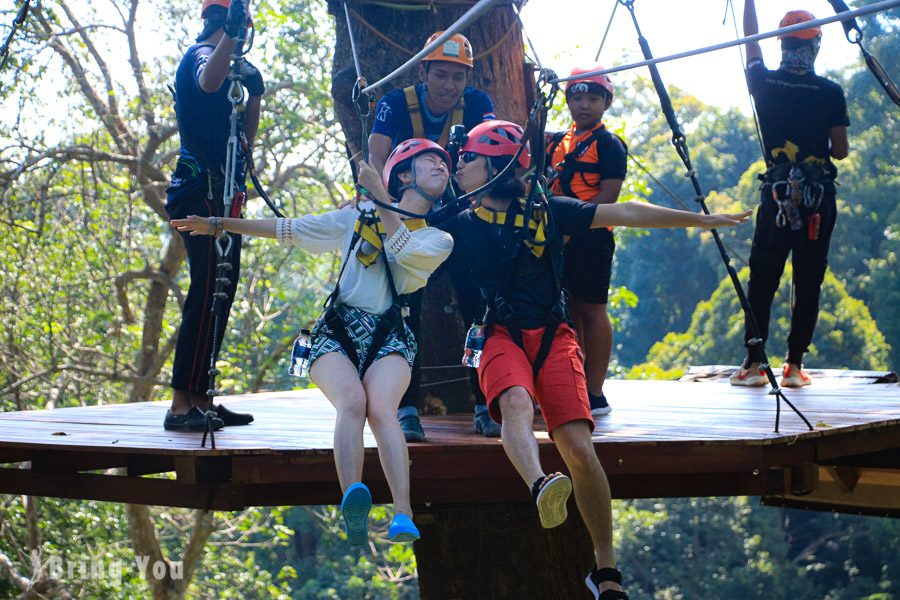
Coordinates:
(551, 493)
(604, 575)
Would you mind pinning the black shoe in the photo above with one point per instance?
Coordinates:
(232, 418)
(412, 428)
(598, 576)
(193, 420)
(599, 405)
(483, 423)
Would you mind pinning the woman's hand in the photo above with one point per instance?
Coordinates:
(196, 225)
(370, 179)
(717, 220)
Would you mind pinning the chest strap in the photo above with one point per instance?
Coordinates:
(415, 116)
(370, 229)
(535, 240)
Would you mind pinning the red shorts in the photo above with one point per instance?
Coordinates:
(560, 389)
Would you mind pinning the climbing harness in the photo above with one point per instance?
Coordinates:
(679, 140)
(415, 115)
(233, 201)
(565, 170)
(855, 36)
(16, 24)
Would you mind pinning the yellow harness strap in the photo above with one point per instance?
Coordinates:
(537, 225)
(415, 116)
(371, 230)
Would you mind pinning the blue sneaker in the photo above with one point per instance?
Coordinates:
(402, 529)
(355, 509)
(599, 405)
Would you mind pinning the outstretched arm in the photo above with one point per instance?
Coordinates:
(644, 214)
(751, 27)
(195, 225)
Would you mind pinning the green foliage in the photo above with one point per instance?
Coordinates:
(846, 336)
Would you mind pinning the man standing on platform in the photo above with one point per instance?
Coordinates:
(589, 164)
(428, 110)
(203, 110)
(803, 118)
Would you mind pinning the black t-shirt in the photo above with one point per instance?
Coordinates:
(490, 251)
(796, 114)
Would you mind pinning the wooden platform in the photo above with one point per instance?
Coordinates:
(663, 439)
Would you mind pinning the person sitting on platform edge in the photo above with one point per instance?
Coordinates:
(530, 353)
(588, 163)
(203, 110)
(428, 110)
(362, 352)
(803, 120)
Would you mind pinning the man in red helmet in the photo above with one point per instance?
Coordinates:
(588, 163)
(803, 119)
(203, 110)
(530, 354)
(428, 110)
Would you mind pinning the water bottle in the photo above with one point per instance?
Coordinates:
(300, 354)
(474, 346)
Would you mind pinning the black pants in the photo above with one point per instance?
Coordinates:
(469, 299)
(771, 246)
(190, 371)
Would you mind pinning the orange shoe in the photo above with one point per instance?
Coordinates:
(792, 376)
(752, 376)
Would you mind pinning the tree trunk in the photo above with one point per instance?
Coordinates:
(500, 552)
(499, 59)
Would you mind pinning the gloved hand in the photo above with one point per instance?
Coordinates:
(250, 76)
(236, 20)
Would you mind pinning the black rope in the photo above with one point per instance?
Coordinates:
(679, 140)
(855, 36)
(17, 22)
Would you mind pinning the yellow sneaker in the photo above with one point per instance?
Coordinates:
(752, 376)
(792, 376)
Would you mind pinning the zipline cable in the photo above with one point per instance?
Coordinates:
(866, 10)
(606, 33)
(729, 5)
(854, 35)
(679, 140)
(471, 15)
(16, 24)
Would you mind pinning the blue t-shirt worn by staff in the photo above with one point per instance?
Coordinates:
(392, 114)
(203, 123)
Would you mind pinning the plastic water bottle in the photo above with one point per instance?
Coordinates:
(474, 346)
(300, 354)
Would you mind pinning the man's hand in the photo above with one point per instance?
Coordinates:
(236, 20)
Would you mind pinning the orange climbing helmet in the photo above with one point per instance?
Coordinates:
(405, 152)
(455, 49)
(799, 16)
(497, 138)
(592, 84)
(207, 3)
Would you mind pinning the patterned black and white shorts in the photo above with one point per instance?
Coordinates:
(361, 329)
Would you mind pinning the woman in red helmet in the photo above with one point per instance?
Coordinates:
(531, 353)
(589, 163)
(203, 110)
(362, 352)
(803, 120)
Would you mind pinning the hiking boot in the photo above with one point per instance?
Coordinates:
(751, 376)
(230, 418)
(355, 507)
(483, 423)
(792, 376)
(599, 405)
(402, 529)
(193, 420)
(605, 575)
(408, 417)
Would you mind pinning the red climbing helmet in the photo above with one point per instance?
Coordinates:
(497, 138)
(207, 3)
(406, 151)
(799, 16)
(592, 84)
